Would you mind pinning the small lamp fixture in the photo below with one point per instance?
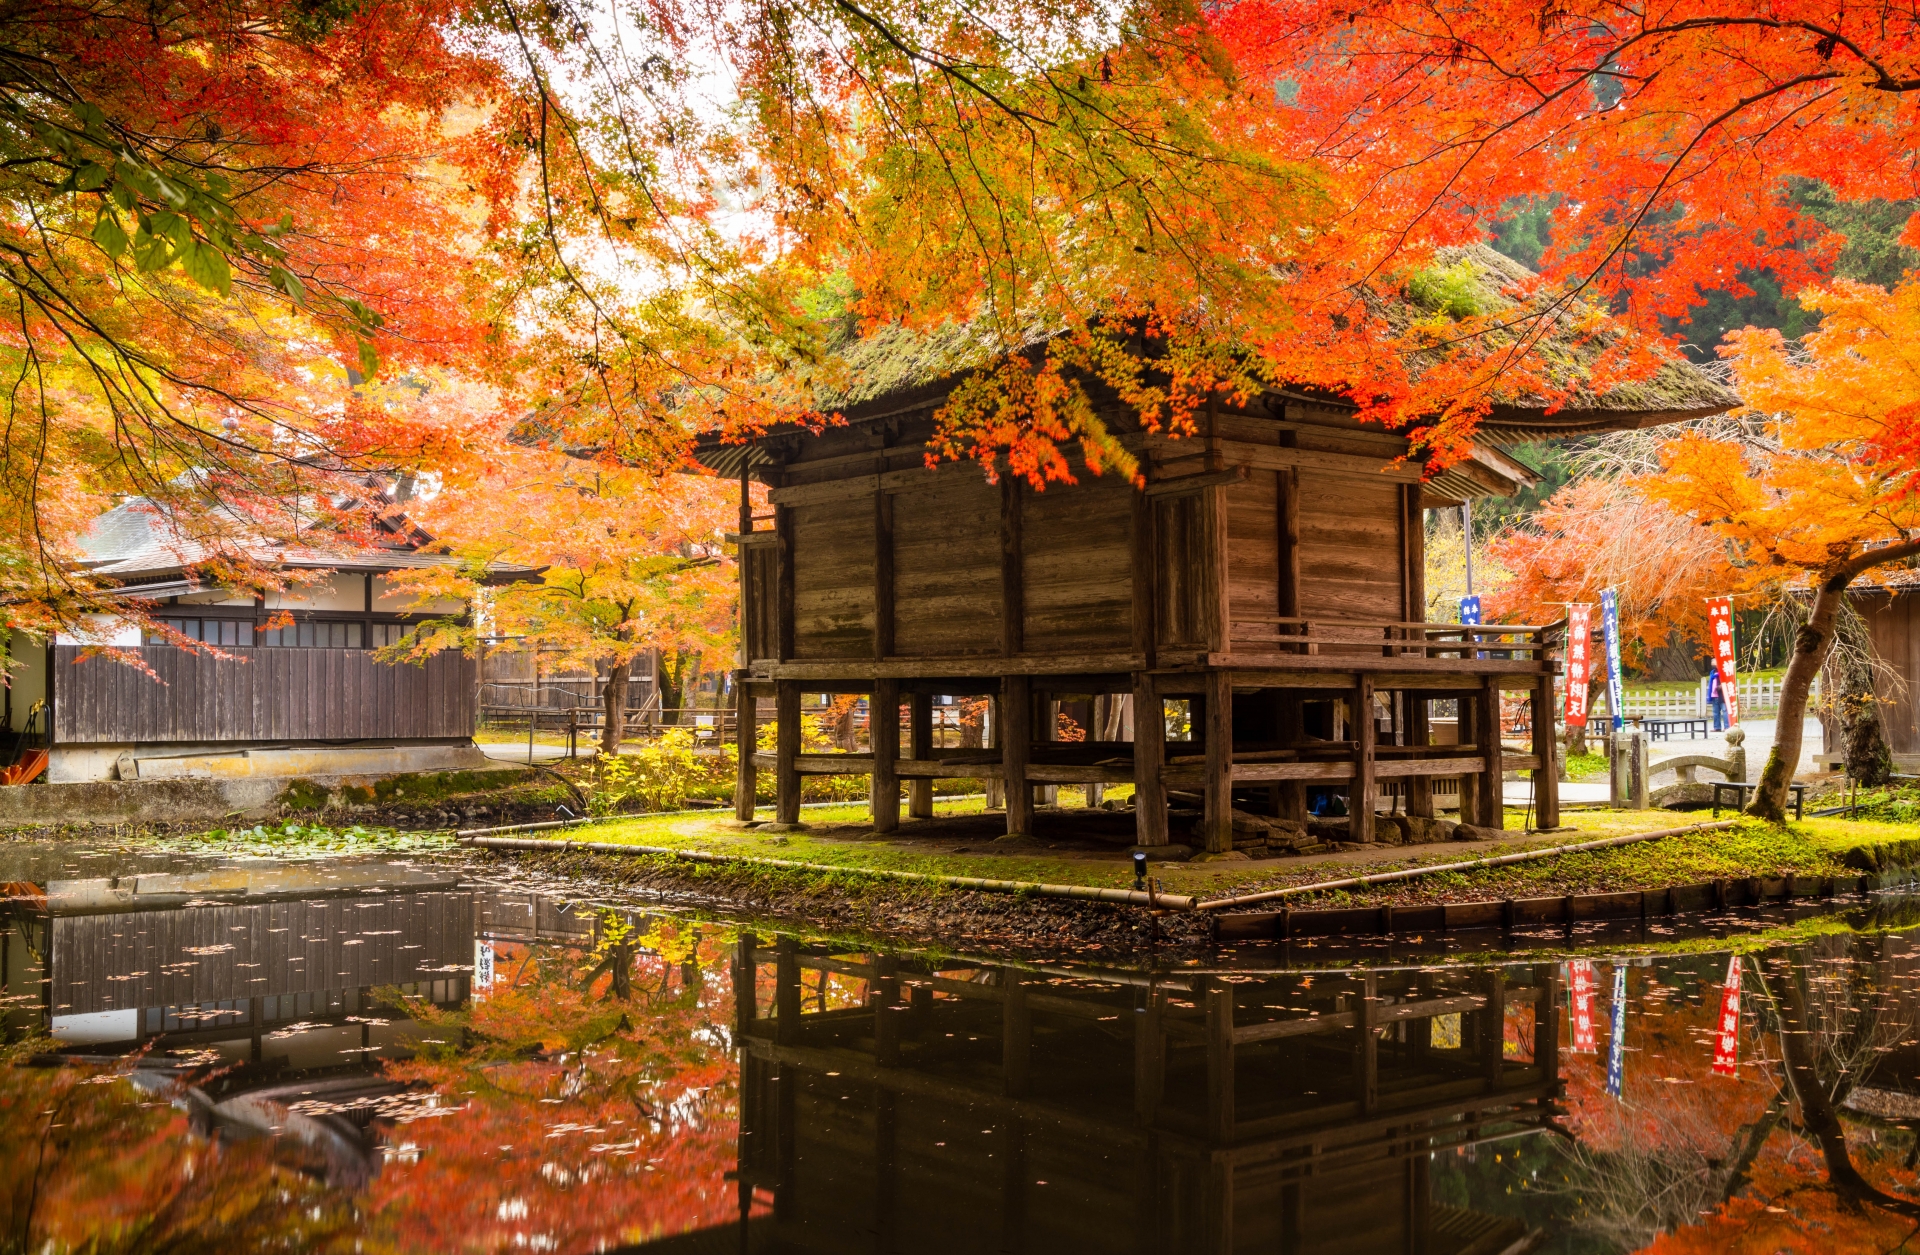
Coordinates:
(1140, 871)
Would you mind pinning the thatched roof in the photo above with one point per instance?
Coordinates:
(897, 365)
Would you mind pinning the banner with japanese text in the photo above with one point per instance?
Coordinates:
(1579, 662)
(1610, 627)
(1580, 983)
(1726, 1042)
(1720, 636)
(1617, 1048)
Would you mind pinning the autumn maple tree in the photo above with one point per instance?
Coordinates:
(624, 563)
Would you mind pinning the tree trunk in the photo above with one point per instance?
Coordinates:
(614, 707)
(1857, 708)
(1811, 645)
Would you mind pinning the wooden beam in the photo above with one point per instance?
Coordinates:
(1016, 748)
(1221, 1099)
(1487, 732)
(882, 575)
(883, 730)
(1175, 455)
(1149, 759)
(1217, 823)
(853, 674)
(1546, 776)
(1366, 1062)
(1149, 1057)
(920, 747)
(746, 713)
(1016, 1030)
(1194, 483)
(1292, 731)
(783, 531)
(1013, 601)
(1219, 634)
(1145, 575)
(1419, 734)
(1360, 796)
(787, 750)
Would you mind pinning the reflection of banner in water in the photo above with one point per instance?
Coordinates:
(1726, 1043)
(1580, 982)
(1617, 1048)
(482, 967)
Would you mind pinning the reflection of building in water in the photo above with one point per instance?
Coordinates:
(927, 1105)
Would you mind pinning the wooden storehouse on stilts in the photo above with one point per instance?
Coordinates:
(1269, 576)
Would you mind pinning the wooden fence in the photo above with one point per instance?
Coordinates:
(259, 693)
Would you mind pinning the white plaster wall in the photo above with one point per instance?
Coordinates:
(215, 597)
(390, 600)
(107, 629)
(339, 591)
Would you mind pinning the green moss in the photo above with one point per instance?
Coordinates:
(440, 785)
(1451, 290)
(303, 795)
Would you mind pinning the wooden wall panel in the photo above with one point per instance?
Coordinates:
(761, 599)
(1075, 567)
(1182, 557)
(1350, 556)
(1253, 557)
(946, 566)
(833, 579)
(261, 693)
(1895, 629)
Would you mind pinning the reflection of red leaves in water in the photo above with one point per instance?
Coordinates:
(586, 1122)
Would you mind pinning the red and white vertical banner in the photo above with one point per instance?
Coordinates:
(1720, 637)
(1726, 1041)
(1580, 983)
(1579, 662)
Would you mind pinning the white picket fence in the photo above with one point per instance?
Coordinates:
(1758, 696)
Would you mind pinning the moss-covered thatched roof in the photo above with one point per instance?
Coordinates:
(894, 364)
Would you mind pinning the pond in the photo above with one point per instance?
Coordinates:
(382, 1053)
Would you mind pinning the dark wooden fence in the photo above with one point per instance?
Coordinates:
(261, 693)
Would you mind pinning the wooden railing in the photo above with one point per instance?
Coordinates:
(1315, 635)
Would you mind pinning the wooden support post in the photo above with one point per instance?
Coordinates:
(1366, 1042)
(784, 601)
(1218, 1001)
(1149, 1057)
(1016, 1033)
(1288, 498)
(886, 1011)
(1360, 796)
(786, 991)
(1145, 573)
(882, 574)
(1219, 780)
(1292, 731)
(1546, 777)
(1546, 1021)
(886, 1174)
(786, 703)
(746, 987)
(1013, 602)
(1149, 758)
(746, 778)
(1487, 730)
(786, 1141)
(1016, 749)
(1493, 1028)
(920, 746)
(883, 731)
(1419, 732)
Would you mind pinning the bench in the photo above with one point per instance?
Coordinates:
(1694, 726)
(1740, 792)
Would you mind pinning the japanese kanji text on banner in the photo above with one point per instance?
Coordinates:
(1720, 633)
(1579, 662)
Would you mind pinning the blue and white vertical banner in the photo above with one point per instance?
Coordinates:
(1617, 1048)
(1470, 613)
(1610, 625)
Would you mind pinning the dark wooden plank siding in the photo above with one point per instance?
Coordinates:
(147, 958)
(946, 566)
(1894, 624)
(760, 565)
(1350, 559)
(1183, 557)
(1075, 571)
(260, 694)
(1253, 556)
(833, 579)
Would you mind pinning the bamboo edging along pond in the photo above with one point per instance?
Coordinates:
(1083, 893)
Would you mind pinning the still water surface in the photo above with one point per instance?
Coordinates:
(379, 1055)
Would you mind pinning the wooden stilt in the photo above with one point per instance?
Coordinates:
(1016, 1034)
(1546, 1021)
(1218, 821)
(1016, 734)
(1360, 797)
(1292, 730)
(1546, 777)
(1220, 1061)
(1419, 732)
(1366, 1040)
(1493, 1028)
(746, 780)
(1013, 1185)
(1487, 729)
(886, 1011)
(883, 730)
(786, 702)
(746, 972)
(886, 1175)
(786, 991)
(1149, 1057)
(1149, 758)
(920, 746)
